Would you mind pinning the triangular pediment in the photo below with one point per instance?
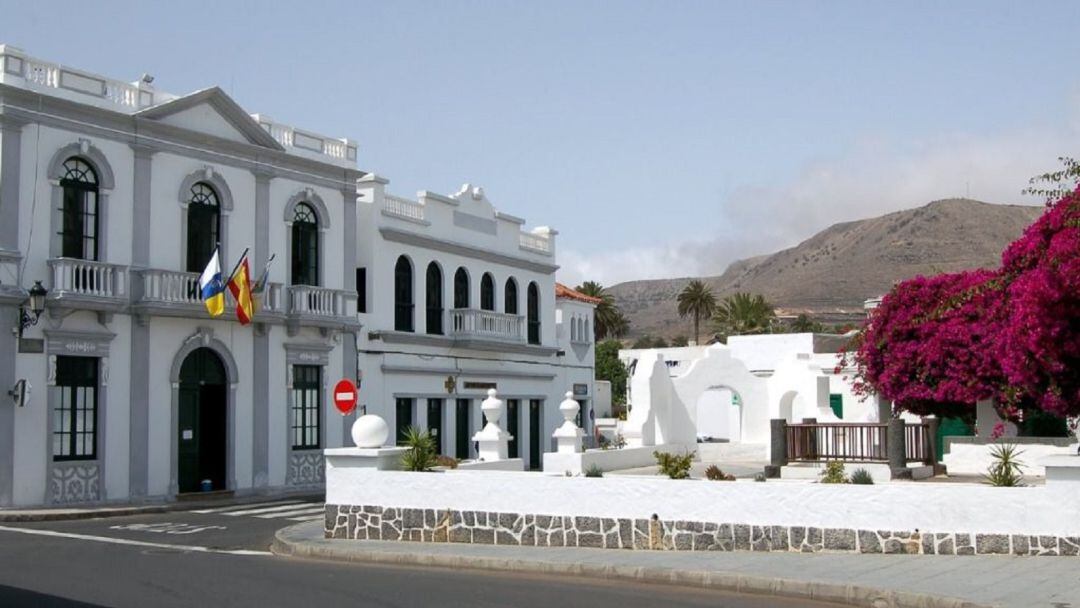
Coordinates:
(212, 112)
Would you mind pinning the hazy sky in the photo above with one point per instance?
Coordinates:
(659, 138)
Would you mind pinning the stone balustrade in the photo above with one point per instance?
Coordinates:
(487, 324)
(72, 277)
(535, 242)
(401, 207)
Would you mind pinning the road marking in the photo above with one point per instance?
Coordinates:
(231, 510)
(167, 528)
(294, 512)
(133, 543)
(306, 518)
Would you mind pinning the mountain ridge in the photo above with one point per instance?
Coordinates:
(830, 274)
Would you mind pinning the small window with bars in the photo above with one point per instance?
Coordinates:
(75, 412)
(306, 406)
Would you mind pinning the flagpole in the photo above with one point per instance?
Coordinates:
(242, 255)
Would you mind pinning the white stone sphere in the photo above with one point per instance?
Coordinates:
(370, 431)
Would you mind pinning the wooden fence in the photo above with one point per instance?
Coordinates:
(855, 442)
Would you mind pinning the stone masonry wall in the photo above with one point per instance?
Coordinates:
(481, 527)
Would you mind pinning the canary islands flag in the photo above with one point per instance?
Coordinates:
(240, 286)
(213, 290)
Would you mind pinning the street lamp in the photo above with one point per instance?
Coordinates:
(36, 303)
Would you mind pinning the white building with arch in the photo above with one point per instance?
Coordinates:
(474, 306)
(114, 196)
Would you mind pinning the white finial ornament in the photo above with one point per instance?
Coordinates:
(370, 431)
(493, 442)
(568, 435)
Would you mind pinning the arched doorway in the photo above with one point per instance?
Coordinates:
(719, 414)
(791, 404)
(202, 422)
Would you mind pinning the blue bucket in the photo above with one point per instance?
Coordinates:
(207, 485)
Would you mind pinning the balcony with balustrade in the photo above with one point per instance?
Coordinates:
(172, 293)
(474, 324)
(320, 307)
(86, 285)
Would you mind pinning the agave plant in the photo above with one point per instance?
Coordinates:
(421, 454)
(1006, 470)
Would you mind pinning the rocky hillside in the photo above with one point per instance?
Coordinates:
(830, 274)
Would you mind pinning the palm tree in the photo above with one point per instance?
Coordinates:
(609, 322)
(744, 313)
(698, 301)
(804, 324)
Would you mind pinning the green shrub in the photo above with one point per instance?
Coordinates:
(594, 471)
(834, 472)
(421, 453)
(713, 473)
(1005, 470)
(674, 466)
(760, 477)
(862, 477)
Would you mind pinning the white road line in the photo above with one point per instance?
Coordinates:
(280, 507)
(247, 506)
(295, 512)
(133, 543)
(309, 518)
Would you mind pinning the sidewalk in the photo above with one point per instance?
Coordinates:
(120, 510)
(878, 581)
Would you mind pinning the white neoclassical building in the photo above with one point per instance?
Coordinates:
(114, 195)
(461, 299)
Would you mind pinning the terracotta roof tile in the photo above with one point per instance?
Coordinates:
(562, 291)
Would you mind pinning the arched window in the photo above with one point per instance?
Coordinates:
(461, 288)
(434, 300)
(79, 210)
(203, 226)
(403, 295)
(305, 246)
(510, 297)
(588, 337)
(573, 329)
(533, 313)
(487, 292)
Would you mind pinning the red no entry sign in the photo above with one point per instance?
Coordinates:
(345, 396)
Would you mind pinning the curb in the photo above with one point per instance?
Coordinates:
(31, 515)
(295, 541)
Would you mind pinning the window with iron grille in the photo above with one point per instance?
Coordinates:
(434, 300)
(533, 313)
(305, 246)
(487, 292)
(79, 211)
(75, 413)
(306, 406)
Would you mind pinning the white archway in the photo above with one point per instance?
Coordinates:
(719, 414)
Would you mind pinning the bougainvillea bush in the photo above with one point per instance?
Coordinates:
(937, 345)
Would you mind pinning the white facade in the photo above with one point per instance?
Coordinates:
(170, 396)
(447, 317)
(730, 392)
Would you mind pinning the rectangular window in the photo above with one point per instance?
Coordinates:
(75, 415)
(361, 290)
(404, 418)
(306, 406)
(513, 417)
(434, 422)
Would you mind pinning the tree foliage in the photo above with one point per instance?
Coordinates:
(696, 300)
(609, 321)
(804, 324)
(1056, 185)
(609, 367)
(744, 313)
(937, 345)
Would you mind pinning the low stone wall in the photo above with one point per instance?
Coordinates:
(360, 522)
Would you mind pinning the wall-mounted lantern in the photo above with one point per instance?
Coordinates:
(35, 305)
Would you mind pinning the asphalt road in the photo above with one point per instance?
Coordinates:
(221, 559)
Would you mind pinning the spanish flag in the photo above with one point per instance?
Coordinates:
(240, 286)
(213, 291)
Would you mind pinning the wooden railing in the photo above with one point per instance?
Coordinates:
(854, 442)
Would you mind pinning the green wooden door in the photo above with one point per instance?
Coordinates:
(950, 427)
(188, 440)
(512, 418)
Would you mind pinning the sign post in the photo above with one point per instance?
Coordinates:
(345, 395)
